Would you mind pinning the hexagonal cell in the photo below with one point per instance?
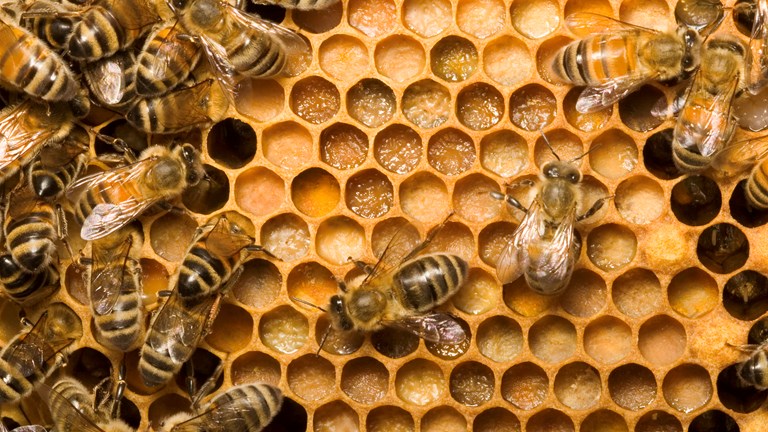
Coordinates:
(504, 153)
(287, 145)
(369, 194)
(662, 340)
(480, 18)
(451, 151)
(335, 416)
(745, 295)
(286, 236)
(637, 292)
(567, 146)
(311, 282)
(496, 419)
(722, 248)
(577, 386)
(166, 406)
(343, 57)
(259, 191)
(687, 387)
(283, 329)
(170, 235)
(552, 339)
(260, 100)
(696, 200)
(713, 421)
(211, 194)
(426, 103)
(535, 19)
(372, 17)
(632, 386)
(640, 200)
(334, 341)
(532, 107)
(311, 377)
(472, 198)
(499, 338)
(450, 351)
(365, 380)
(549, 420)
(652, 14)
(419, 382)
(607, 339)
(427, 18)
(525, 301)
(76, 287)
(424, 197)
(453, 238)
(339, 238)
(693, 293)
(636, 110)
(657, 155)
(546, 55)
(384, 231)
(343, 146)
(397, 148)
(399, 58)
(611, 246)
(371, 102)
(479, 294)
(493, 239)
(471, 383)
(255, 367)
(613, 154)
(394, 343)
(315, 192)
(315, 99)
(231, 330)
(129, 413)
(479, 106)
(318, 21)
(453, 59)
(443, 419)
(657, 421)
(259, 283)
(585, 295)
(587, 122)
(231, 143)
(389, 418)
(604, 421)
(507, 60)
(89, 365)
(737, 395)
(742, 209)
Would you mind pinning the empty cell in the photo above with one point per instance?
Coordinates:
(453, 59)
(129, 413)
(586, 122)
(343, 57)
(311, 377)
(427, 18)
(450, 351)
(496, 419)
(519, 297)
(613, 154)
(532, 107)
(745, 295)
(315, 192)
(742, 209)
(365, 380)
(166, 406)
(472, 198)
(662, 340)
(170, 235)
(339, 238)
(443, 419)
(758, 333)
(552, 339)
(637, 110)
(454, 238)
(260, 100)
(371, 102)
(504, 153)
(507, 60)
(722, 248)
(607, 339)
(652, 14)
(286, 236)
(210, 194)
(259, 283)
(419, 382)
(693, 293)
(479, 106)
(372, 17)
(605, 421)
(89, 365)
(546, 55)
(394, 343)
(736, 394)
(713, 421)
(259, 191)
(399, 58)
(389, 418)
(334, 341)
(696, 200)
(601, 7)
(500, 339)
(426, 104)
(687, 387)
(343, 146)
(640, 200)
(586, 294)
(493, 239)
(480, 18)
(632, 386)
(231, 330)
(398, 148)
(369, 194)
(255, 367)
(451, 151)
(611, 246)
(535, 19)
(424, 197)
(315, 99)
(311, 282)
(74, 281)
(479, 294)
(637, 292)
(231, 143)
(283, 329)
(287, 145)
(577, 386)
(384, 232)
(335, 416)
(658, 421)
(318, 21)
(471, 383)
(550, 420)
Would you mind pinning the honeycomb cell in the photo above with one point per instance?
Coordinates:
(535, 19)
(652, 14)
(693, 293)
(636, 110)
(394, 343)
(365, 380)
(532, 107)
(496, 419)
(552, 339)
(479, 293)
(454, 238)
(451, 151)
(742, 209)
(523, 300)
(443, 419)
(471, 383)
(480, 18)
(419, 382)
(315, 192)
(335, 416)
(343, 57)
(713, 421)
(283, 329)
(291, 416)
(231, 330)
(255, 367)
(657, 155)
(426, 103)
(591, 191)
(504, 153)
(389, 418)
(567, 146)
(259, 191)
(604, 421)
(369, 194)
(662, 340)
(170, 235)
(611, 247)
(166, 406)
(372, 17)
(211, 194)
(550, 420)
(500, 339)
(493, 239)
(231, 143)
(318, 21)
(339, 238)
(129, 413)
(687, 387)
(371, 102)
(427, 18)
(336, 342)
(397, 148)
(658, 421)
(311, 282)
(507, 61)
(586, 294)
(286, 236)
(737, 395)
(399, 58)
(745, 295)
(75, 285)
(637, 292)
(577, 386)
(311, 377)
(750, 110)
(314, 99)
(260, 100)
(613, 154)
(587, 122)
(343, 146)
(607, 339)
(89, 365)
(545, 56)
(424, 197)
(472, 199)
(632, 386)
(722, 248)
(450, 351)
(696, 200)
(259, 283)
(758, 333)
(640, 200)
(453, 59)
(287, 145)
(383, 233)
(479, 106)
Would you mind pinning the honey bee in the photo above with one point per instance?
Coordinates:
(74, 409)
(747, 155)
(299, 4)
(706, 124)
(754, 370)
(58, 165)
(616, 58)
(23, 287)
(50, 21)
(108, 200)
(212, 264)
(165, 61)
(115, 289)
(543, 247)
(112, 80)
(35, 354)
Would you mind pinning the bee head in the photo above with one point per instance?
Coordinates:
(692, 44)
(339, 314)
(193, 168)
(561, 170)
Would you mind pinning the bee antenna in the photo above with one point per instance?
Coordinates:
(322, 341)
(304, 302)
(577, 158)
(546, 141)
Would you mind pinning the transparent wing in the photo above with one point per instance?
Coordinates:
(399, 247)
(225, 239)
(227, 416)
(17, 138)
(554, 260)
(292, 43)
(182, 325)
(740, 156)
(109, 82)
(58, 155)
(585, 24)
(757, 55)
(30, 351)
(28, 428)
(108, 274)
(75, 419)
(513, 259)
(222, 67)
(598, 97)
(435, 327)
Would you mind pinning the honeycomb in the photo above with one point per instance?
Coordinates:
(406, 111)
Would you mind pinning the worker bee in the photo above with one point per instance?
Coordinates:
(23, 287)
(705, 124)
(112, 80)
(108, 200)
(635, 55)
(212, 264)
(115, 288)
(165, 61)
(74, 409)
(543, 247)
(742, 156)
(50, 21)
(58, 165)
(35, 354)
(299, 4)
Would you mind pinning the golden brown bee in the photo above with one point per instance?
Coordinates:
(165, 61)
(615, 58)
(27, 288)
(50, 21)
(112, 80)
(33, 355)
(747, 155)
(74, 409)
(108, 200)
(58, 165)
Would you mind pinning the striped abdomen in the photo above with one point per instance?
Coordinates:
(110, 194)
(123, 325)
(23, 287)
(31, 237)
(178, 110)
(255, 405)
(753, 370)
(757, 185)
(157, 365)
(54, 30)
(256, 54)
(165, 61)
(13, 384)
(110, 26)
(203, 273)
(595, 60)
(50, 183)
(301, 4)
(430, 280)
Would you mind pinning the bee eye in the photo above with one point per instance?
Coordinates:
(573, 178)
(551, 171)
(192, 179)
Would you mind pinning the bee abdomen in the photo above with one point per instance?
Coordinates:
(13, 384)
(122, 327)
(430, 280)
(261, 402)
(757, 186)
(201, 273)
(31, 240)
(595, 60)
(49, 184)
(259, 57)
(156, 368)
(753, 370)
(149, 82)
(688, 160)
(97, 35)
(22, 286)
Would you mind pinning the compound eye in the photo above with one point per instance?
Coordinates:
(551, 171)
(192, 179)
(573, 178)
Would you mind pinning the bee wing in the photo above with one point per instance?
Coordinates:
(756, 62)
(226, 416)
(223, 69)
(398, 250)
(109, 82)
(292, 43)
(513, 258)
(32, 350)
(27, 428)
(740, 156)
(182, 325)
(16, 139)
(167, 51)
(107, 283)
(23, 201)
(598, 97)
(555, 261)
(76, 420)
(435, 327)
(223, 242)
(585, 24)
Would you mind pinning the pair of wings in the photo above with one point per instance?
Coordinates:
(109, 273)
(18, 140)
(76, 419)
(227, 416)
(108, 80)
(741, 156)
(23, 201)
(30, 352)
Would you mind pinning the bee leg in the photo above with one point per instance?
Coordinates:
(207, 386)
(510, 200)
(117, 398)
(342, 285)
(367, 268)
(61, 231)
(25, 322)
(212, 316)
(595, 207)
(120, 145)
(259, 248)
